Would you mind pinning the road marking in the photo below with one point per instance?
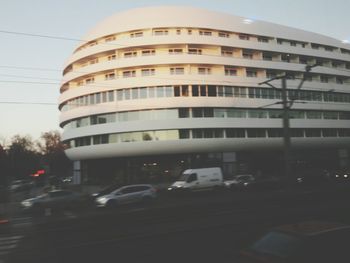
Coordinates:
(8, 243)
(8, 247)
(10, 238)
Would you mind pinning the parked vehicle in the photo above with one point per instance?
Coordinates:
(319, 242)
(240, 181)
(105, 191)
(127, 195)
(56, 199)
(199, 179)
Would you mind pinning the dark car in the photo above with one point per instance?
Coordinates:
(319, 242)
(57, 199)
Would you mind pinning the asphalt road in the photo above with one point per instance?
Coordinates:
(206, 227)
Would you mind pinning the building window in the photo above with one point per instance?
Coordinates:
(184, 91)
(324, 79)
(136, 34)
(143, 93)
(184, 113)
(204, 33)
(111, 57)
(189, 31)
(178, 31)
(313, 132)
(175, 51)
(329, 132)
(235, 133)
(227, 53)
(267, 56)
(100, 139)
(230, 72)
(293, 43)
(313, 115)
(315, 46)
(197, 133)
(109, 76)
(204, 71)
(130, 54)
(148, 52)
(296, 132)
(260, 114)
(89, 81)
(177, 71)
(273, 133)
(109, 38)
(197, 112)
(93, 61)
(223, 34)
(203, 90)
(243, 37)
(251, 73)
(330, 115)
(263, 39)
(129, 73)
(148, 72)
(195, 51)
(184, 134)
(256, 133)
(160, 32)
(111, 95)
(248, 54)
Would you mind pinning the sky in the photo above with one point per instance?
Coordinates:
(28, 108)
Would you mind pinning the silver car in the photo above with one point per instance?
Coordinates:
(127, 195)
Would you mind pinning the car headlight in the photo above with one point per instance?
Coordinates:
(102, 200)
(27, 203)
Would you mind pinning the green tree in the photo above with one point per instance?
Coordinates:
(53, 156)
(22, 157)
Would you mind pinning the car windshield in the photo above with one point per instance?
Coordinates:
(278, 244)
(183, 177)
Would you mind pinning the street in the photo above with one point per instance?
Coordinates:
(206, 227)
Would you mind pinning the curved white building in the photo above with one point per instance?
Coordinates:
(180, 80)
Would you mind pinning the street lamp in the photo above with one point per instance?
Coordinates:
(287, 104)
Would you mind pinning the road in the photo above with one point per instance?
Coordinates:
(207, 227)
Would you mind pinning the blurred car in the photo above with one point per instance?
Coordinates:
(304, 242)
(127, 195)
(239, 181)
(56, 199)
(340, 176)
(20, 185)
(67, 180)
(105, 190)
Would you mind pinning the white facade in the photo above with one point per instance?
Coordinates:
(164, 80)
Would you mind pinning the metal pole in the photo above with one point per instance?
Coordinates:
(286, 130)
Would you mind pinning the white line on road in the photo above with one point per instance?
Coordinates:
(10, 238)
(7, 247)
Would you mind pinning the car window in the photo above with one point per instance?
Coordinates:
(128, 190)
(192, 177)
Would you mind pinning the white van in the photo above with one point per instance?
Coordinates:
(199, 179)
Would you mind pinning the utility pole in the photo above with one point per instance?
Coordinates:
(287, 103)
(286, 129)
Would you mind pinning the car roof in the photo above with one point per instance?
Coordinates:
(132, 185)
(311, 228)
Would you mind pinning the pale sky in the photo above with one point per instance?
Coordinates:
(73, 18)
